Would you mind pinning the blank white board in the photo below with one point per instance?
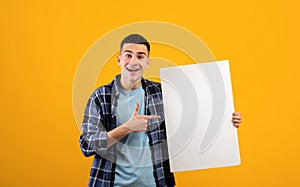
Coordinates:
(198, 105)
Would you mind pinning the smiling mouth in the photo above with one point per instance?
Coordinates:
(132, 70)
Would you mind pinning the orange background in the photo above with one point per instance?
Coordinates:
(42, 43)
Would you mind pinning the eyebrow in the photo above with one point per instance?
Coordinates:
(140, 52)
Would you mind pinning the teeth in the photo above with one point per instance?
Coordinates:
(132, 69)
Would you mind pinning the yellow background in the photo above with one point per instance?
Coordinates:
(42, 43)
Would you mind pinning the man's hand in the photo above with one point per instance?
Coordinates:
(236, 119)
(137, 122)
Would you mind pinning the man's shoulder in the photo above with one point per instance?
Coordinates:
(151, 83)
(103, 90)
(152, 86)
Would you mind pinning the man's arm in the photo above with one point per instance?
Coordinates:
(94, 135)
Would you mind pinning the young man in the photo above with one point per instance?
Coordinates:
(122, 125)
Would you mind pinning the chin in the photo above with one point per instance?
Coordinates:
(135, 79)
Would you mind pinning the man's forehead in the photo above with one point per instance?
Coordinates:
(135, 48)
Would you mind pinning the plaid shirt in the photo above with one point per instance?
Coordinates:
(99, 118)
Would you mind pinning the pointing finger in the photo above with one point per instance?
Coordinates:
(151, 117)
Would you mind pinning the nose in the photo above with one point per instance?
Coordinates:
(134, 60)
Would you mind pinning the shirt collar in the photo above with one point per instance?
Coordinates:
(115, 92)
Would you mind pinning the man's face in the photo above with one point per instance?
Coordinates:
(133, 60)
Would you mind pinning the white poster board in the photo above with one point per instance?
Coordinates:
(198, 105)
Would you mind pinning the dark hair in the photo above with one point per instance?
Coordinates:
(136, 39)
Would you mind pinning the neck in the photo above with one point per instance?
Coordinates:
(129, 85)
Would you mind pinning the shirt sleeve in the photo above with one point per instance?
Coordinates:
(93, 139)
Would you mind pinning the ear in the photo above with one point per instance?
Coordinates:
(148, 63)
(118, 60)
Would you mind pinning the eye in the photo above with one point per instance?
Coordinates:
(140, 57)
(128, 55)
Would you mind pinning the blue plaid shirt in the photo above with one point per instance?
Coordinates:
(99, 118)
